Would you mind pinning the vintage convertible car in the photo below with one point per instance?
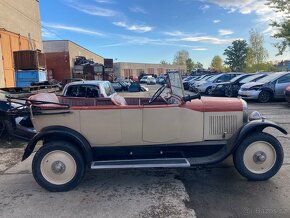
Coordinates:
(163, 131)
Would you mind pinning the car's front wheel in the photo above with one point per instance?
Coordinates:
(264, 96)
(58, 166)
(259, 157)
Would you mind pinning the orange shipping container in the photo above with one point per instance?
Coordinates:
(11, 42)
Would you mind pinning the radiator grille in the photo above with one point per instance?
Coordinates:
(221, 124)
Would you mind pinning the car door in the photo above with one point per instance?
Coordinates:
(281, 85)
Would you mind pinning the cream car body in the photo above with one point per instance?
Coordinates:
(164, 131)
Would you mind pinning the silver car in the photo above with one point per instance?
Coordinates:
(267, 88)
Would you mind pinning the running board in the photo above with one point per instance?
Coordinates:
(140, 163)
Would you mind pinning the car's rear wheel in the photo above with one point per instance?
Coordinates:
(264, 96)
(58, 166)
(259, 157)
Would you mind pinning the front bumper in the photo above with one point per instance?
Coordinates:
(250, 94)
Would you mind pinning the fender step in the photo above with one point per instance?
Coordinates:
(140, 163)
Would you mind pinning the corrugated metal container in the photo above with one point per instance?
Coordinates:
(29, 60)
(26, 77)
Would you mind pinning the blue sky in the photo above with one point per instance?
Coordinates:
(154, 30)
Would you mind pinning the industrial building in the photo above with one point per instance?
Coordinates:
(20, 29)
(134, 70)
(62, 55)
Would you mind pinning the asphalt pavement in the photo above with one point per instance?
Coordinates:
(214, 191)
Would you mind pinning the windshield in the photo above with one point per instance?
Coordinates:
(176, 84)
(270, 78)
(213, 78)
(237, 78)
(251, 78)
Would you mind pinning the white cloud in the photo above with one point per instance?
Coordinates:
(216, 21)
(105, 1)
(176, 34)
(258, 7)
(48, 33)
(72, 29)
(138, 10)
(199, 49)
(204, 8)
(93, 10)
(224, 32)
(134, 28)
(208, 39)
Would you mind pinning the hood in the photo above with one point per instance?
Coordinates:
(251, 84)
(214, 104)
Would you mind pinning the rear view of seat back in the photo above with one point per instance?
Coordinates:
(45, 97)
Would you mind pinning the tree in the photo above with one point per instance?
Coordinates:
(256, 54)
(236, 55)
(181, 57)
(198, 65)
(190, 65)
(217, 63)
(164, 62)
(283, 26)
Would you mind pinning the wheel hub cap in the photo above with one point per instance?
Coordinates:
(58, 167)
(259, 157)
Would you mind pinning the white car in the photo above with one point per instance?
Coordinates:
(144, 79)
(151, 81)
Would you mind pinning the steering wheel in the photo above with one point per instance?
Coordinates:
(157, 94)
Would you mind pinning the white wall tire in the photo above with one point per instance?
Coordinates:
(259, 157)
(58, 166)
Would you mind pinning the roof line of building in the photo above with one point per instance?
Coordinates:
(73, 43)
(149, 63)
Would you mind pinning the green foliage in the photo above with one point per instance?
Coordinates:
(262, 67)
(164, 62)
(217, 63)
(181, 57)
(256, 52)
(189, 65)
(236, 55)
(283, 27)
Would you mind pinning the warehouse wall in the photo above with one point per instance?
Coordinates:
(22, 17)
(126, 69)
(76, 50)
(61, 54)
(58, 63)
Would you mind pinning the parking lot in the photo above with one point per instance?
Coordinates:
(213, 191)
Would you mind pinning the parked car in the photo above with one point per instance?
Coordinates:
(287, 94)
(206, 85)
(151, 81)
(267, 88)
(253, 78)
(17, 126)
(176, 131)
(120, 86)
(188, 80)
(89, 89)
(137, 87)
(200, 79)
(230, 88)
(144, 79)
